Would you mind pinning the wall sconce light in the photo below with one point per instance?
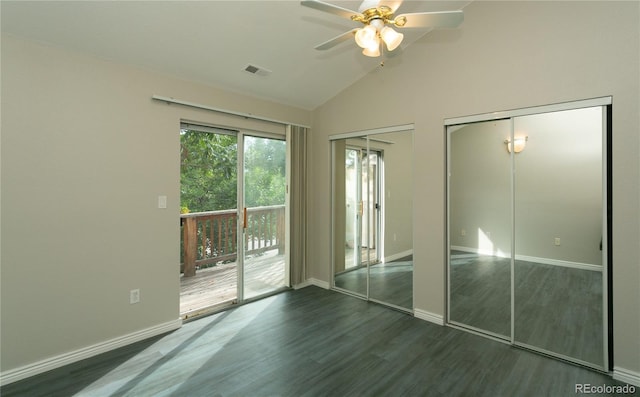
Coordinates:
(518, 144)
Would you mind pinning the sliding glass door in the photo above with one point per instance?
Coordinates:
(233, 214)
(353, 182)
(362, 190)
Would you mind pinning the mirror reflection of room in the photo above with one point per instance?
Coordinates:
(558, 233)
(372, 217)
(480, 227)
(526, 216)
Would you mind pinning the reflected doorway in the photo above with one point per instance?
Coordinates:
(372, 215)
(362, 226)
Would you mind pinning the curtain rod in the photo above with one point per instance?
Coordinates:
(170, 100)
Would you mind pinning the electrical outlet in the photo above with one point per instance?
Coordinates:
(556, 241)
(463, 232)
(134, 296)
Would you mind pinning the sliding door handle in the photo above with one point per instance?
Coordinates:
(244, 218)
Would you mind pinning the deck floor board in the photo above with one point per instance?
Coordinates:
(218, 285)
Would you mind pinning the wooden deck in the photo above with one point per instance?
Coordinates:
(218, 285)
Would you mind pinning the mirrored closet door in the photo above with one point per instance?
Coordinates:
(528, 228)
(372, 222)
(558, 201)
(480, 227)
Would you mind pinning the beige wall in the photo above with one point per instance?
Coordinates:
(85, 155)
(505, 55)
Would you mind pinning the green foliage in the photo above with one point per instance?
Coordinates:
(208, 171)
(265, 172)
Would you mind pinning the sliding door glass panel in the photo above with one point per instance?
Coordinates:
(480, 227)
(264, 215)
(558, 276)
(369, 193)
(208, 200)
(390, 203)
(354, 257)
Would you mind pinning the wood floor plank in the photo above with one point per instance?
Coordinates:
(312, 342)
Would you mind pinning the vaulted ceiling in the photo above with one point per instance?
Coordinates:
(212, 42)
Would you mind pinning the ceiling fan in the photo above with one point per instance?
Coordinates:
(378, 17)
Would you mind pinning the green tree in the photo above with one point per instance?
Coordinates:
(265, 172)
(208, 171)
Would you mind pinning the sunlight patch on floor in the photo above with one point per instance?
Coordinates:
(133, 376)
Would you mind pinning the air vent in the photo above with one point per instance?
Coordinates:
(257, 70)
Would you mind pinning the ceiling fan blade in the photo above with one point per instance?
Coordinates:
(336, 40)
(330, 8)
(393, 4)
(441, 19)
(366, 4)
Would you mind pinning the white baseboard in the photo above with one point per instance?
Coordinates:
(545, 261)
(302, 285)
(312, 281)
(477, 251)
(558, 262)
(319, 283)
(397, 256)
(428, 316)
(626, 376)
(61, 360)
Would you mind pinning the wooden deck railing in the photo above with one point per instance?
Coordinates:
(211, 237)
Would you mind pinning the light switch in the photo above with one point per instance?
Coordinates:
(162, 201)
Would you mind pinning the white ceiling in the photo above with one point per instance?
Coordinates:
(211, 42)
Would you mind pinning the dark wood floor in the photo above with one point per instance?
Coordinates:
(313, 342)
(557, 309)
(390, 282)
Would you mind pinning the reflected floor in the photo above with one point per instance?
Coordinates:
(558, 309)
(391, 282)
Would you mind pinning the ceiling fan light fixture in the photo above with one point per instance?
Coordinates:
(391, 38)
(377, 23)
(372, 51)
(375, 17)
(367, 37)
